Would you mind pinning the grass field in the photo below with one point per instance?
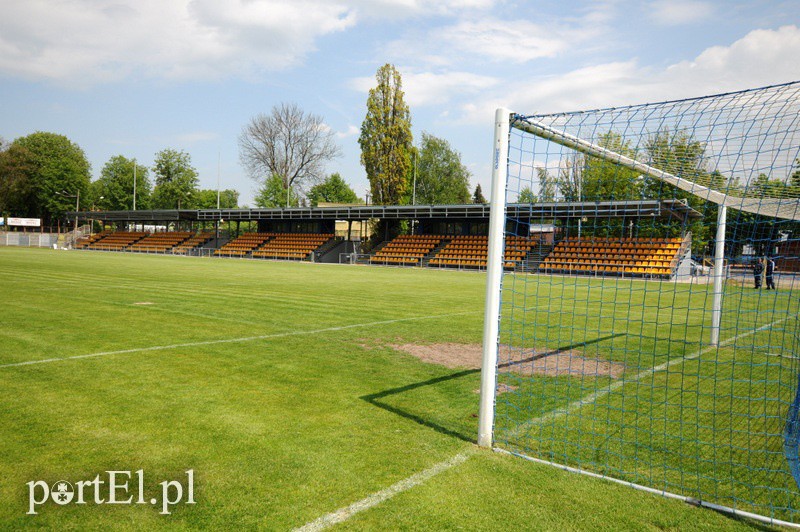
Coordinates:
(276, 383)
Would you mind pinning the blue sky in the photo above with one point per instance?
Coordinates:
(132, 77)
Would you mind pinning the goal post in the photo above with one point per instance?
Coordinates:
(494, 274)
(615, 351)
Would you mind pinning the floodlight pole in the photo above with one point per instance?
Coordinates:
(77, 208)
(134, 184)
(719, 258)
(494, 278)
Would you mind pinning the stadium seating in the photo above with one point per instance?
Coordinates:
(616, 256)
(471, 251)
(117, 241)
(195, 241)
(160, 242)
(408, 250)
(85, 242)
(243, 245)
(296, 246)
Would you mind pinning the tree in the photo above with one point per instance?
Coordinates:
(114, 189)
(16, 186)
(207, 199)
(385, 140)
(333, 190)
(273, 194)
(477, 196)
(288, 143)
(603, 180)
(441, 177)
(49, 172)
(547, 185)
(176, 180)
(526, 195)
(794, 181)
(681, 155)
(570, 177)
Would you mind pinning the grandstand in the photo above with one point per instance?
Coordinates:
(406, 249)
(296, 246)
(160, 242)
(449, 236)
(470, 251)
(654, 257)
(648, 257)
(192, 243)
(243, 245)
(85, 242)
(117, 241)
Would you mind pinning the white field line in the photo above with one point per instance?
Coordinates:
(602, 392)
(233, 340)
(345, 513)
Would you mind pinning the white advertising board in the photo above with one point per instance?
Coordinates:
(25, 222)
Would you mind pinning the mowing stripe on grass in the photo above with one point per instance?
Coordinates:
(602, 392)
(343, 514)
(234, 340)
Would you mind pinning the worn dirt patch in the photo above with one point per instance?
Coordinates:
(525, 362)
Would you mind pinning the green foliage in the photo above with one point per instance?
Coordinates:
(764, 187)
(682, 156)
(570, 177)
(207, 199)
(605, 181)
(547, 185)
(794, 181)
(477, 196)
(333, 190)
(441, 177)
(385, 140)
(47, 172)
(526, 195)
(16, 181)
(114, 189)
(273, 194)
(176, 180)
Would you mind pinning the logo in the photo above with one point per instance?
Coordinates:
(62, 492)
(112, 487)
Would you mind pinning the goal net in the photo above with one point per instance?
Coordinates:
(650, 336)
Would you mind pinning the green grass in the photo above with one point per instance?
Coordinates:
(708, 426)
(276, 383)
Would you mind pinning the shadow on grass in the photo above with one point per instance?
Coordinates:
(375, 399)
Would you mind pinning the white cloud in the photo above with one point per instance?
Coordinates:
(350, 132)
(679, 12)
(431, 88)
(88, 41)
(428, 88)
(392, 9)
(762, 57)
(516, 41)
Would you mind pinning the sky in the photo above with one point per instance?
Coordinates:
(133, 77)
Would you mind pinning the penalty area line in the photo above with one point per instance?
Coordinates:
(233, 340)
(345, 513)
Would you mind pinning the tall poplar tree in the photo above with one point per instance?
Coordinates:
(386, 141)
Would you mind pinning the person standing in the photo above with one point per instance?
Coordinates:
(758, 269)
(769, 271)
